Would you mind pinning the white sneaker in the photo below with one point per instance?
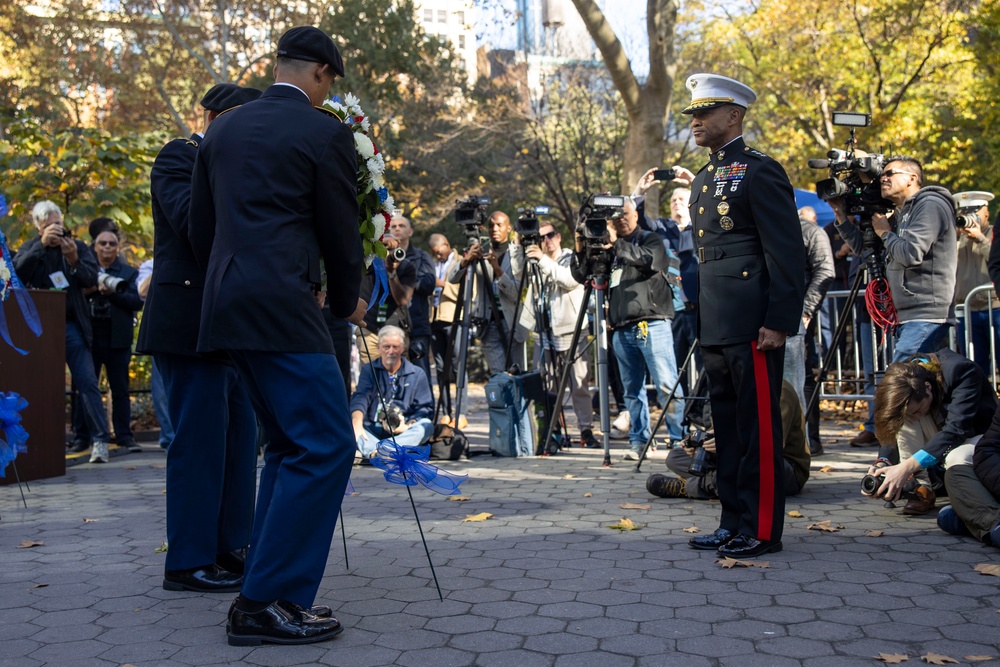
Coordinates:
(631, 455)
(99, 452)
(621, 425)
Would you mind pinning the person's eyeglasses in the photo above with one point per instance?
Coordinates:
(550, 235)
(111, 244)
(892, 172)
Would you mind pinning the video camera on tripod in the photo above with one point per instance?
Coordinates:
(527, 224)
(593, 228)
(471, 214)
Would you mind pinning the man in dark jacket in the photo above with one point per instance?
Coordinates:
(419, 351)
(275, 190)
(401, 385)
(54, 260)
(211, 462)
(640, 307)
(752, 263)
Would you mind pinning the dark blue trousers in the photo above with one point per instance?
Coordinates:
(211, 462)
(301, 403)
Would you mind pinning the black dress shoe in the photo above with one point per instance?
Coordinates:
(711, 542)
(744, 546)
(282, 622)
(233, 561)
(77, 446)
(205, 579)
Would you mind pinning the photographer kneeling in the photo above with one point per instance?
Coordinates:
(405, 390)
(695, 466)
(925, 409)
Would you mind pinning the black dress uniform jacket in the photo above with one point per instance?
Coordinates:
(260, 236)
(752, 258)
(173, 304)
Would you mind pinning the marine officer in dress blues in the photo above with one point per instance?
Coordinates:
(751, 287)
(275, 188)
(211, 463)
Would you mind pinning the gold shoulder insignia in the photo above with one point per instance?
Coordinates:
(191, 142)
(757, 153)
(327, 112)
(229, 109)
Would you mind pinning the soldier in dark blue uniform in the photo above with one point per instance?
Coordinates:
(275, 188)
(752, 263)
(211, 462)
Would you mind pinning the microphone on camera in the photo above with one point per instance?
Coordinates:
(818, 163)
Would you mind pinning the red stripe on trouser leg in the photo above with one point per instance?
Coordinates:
(765, 444)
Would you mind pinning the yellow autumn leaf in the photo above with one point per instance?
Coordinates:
(692, 529)
(473, 518)
(795, 514)
(990, 569)
(892, 658)
(624, 524)
(635, 506)
(938, 659)
(27, 544)
(874, 533)
(160, 549)
(588, 495)
(458, 499)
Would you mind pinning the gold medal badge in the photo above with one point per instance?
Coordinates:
(726, 223)
(723, 208)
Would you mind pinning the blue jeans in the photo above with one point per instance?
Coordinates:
(159, 396)
(81, 369)
(914, 337)
(635, 354)
(419, 433)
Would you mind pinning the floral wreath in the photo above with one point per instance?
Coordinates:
(375, 206)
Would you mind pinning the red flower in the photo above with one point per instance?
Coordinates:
(387, 217)
(358, 119)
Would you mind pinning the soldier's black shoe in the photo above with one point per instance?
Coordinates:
(206, 579)
(282, 622)
(234, 561)
(744, 546)
(711, 542)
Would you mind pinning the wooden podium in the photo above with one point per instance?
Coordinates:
(40, 377)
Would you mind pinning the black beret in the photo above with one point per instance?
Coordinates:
(224, 96)
(312, 44)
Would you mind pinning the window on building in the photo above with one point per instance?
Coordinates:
(461, 17)
(461, 63)
(428, 16)
(442, 16)
(461, 41)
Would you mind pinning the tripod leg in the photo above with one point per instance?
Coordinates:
(835, 341)
(463, 341)
(663, 414)
(602, 370)
(564, 376)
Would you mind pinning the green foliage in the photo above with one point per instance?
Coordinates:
(87, 172)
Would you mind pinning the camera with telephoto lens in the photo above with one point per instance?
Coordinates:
(527, 224)
(703, 460)
(967, 217)
(111, 283)
(390, 418)
(399, 254)
(471, 214)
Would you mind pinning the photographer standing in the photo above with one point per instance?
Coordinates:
(502, 287)
(752, 263)
(564, 299)
(975, 237)
(920, 253)
(640, 307)
(402, 275)
(419, 309)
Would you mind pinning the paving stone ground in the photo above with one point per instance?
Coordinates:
(544, 582)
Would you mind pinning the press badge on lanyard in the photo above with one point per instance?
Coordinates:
(616, 277)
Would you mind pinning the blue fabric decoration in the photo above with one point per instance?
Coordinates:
(380, 290)
(11, 405)
(383, 194)
(349, 491)
(24, 300)
(408, 466)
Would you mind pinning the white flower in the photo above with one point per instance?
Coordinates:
(364, 146)
(376, 181)
(351, 101)
(376, 164)
(389, 204)
(379, 221)
(365, 125)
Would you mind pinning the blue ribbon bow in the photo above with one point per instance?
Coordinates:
(380, 290)
(11, 405)
(24, 300)
(408, 466)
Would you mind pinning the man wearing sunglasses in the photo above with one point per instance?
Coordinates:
(920, 254)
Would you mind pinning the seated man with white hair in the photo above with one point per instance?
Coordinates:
(391, 380)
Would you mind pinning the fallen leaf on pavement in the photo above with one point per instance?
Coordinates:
(874, 533)
(568, 476)
(990, 569)
(692, 529)
(27, 544)
(624, 524)
(129, 468)
(977, 658)
(86, 520)
(158, 465)
(892, 658)
(729, 563)
(588, 495)
(634, 506)
(160, 549)
(40, 586)
(482, 516)
(822, 525)
(938, 659)
(458, 499)
(826, 469)
(795, 514)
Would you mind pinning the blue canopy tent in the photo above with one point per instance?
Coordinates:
(824, 214)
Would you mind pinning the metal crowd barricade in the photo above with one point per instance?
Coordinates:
(963, 311)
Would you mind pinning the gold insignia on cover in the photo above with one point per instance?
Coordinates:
(721, 154)
(701, 209)
(711, 167)
(704, 188)
(723, 208)
(726, 223)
